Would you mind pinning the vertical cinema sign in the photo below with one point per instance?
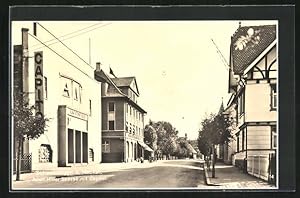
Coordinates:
(39, 85)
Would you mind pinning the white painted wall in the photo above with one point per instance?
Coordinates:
(258, 103)
(258, 137)
(54, 66)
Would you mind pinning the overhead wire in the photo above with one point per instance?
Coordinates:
(76, 35)
(64, 45)
(60, 56)
(221, 55)
(69, 34)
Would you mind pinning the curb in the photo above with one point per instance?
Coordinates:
(206, 178)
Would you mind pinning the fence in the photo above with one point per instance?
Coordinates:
(262, 166)
(26, 163)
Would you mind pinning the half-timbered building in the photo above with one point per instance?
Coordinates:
(253, 103)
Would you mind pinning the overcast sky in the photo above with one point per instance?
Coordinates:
(179, 73)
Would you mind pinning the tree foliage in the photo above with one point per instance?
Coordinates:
(215, 130)
(163, 138)
(26, 124)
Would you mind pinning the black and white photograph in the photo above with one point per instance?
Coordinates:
(144, 105)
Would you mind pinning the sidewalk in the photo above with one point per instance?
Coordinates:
(230, 177)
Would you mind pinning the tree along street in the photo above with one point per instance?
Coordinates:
(161, 174)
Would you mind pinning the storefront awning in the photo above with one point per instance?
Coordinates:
(145, 146)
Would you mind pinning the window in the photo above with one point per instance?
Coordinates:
(274, 137)
(241, 103)
(111, 125)
(130, 110)
(237, 142)
(111, 106)
(45, 153)
(126, 127)
(273, 97)
(106, 146)
(243, 140)
(46, 87)
(126, 108)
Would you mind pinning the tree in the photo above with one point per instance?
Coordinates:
(26, 125)
(215, 130)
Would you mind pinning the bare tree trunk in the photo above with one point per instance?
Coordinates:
(18, 161)
(213, 162)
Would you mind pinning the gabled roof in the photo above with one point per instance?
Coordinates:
(248, 43)
(101, 76)
(123, 82)
(126, 82)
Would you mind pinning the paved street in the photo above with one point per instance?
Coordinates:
(160, 174)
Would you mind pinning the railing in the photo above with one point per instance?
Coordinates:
(258, 166)
(26, 163)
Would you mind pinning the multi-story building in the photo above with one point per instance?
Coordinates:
(253, 104)
(122, 119)
(70, 97)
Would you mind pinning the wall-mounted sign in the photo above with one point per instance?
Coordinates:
(77, 114)
(39, 86)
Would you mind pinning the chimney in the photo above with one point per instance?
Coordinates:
(98, 68)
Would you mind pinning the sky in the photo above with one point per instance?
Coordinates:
(179, 72)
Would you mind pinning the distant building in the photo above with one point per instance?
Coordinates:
(122, 119)
(253, 104)
(69, 97)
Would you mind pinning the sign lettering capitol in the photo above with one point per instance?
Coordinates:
(39, 87)
(77, 114)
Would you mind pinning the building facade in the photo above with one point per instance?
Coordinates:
(70, 97)
(253, 104)
(122, 119)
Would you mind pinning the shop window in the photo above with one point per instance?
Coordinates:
(45, 153)
(273, 97)
(91, 154)
(106, 146)
(111, 125)
(274, 137)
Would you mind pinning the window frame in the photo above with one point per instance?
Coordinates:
(114, 125)
(274, 97)
(105, 145)
(109, 107)
(241, 103)
(274, 133)
(238, 142)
